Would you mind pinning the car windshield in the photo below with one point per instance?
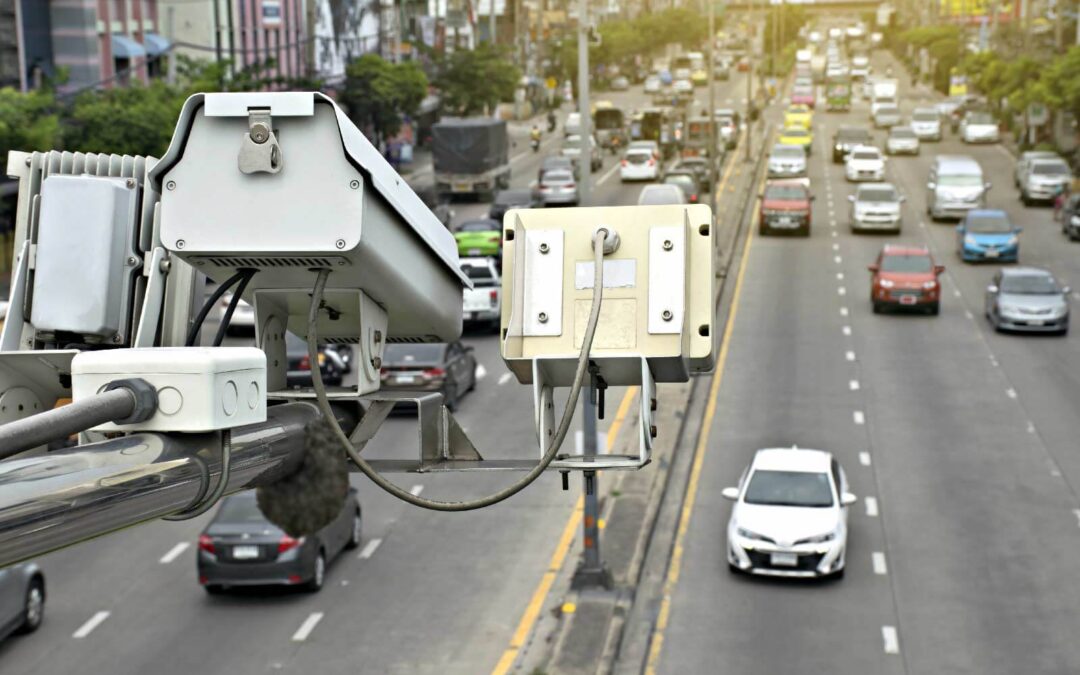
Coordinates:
(865, 154)
(242, 508)
(681, 180)
(877, 195)
(980, 118)
(802, 91)
(960, 180)
(925, 116)
(478, 272)
(660, 195)
(916, 263)
(1051, 169)
(788, 152)
(516, 197)
(902, 132)
(888, 110)
(558, 178)
(796, 133)
(989, 223)
(405, 353)
(479, 226)
(789, 488)
(1029, 284)
(786, 192)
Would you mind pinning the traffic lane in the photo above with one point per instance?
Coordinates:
(786, 382)
(960, 478)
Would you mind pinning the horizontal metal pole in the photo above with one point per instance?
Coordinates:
(62, 498)
(58, 424)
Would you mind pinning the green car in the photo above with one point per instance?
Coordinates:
(479, 238)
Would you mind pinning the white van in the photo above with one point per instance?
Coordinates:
(956, 185)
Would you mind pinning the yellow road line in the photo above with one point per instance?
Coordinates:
(675, 567)
(539, 596)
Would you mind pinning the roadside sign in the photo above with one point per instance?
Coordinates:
(1038, 114)
(551, 83)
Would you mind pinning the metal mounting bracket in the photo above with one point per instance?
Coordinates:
(260, 151)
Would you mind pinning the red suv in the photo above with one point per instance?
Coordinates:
(905, 276)
(785, 207)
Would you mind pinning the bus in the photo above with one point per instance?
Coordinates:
(609, 124)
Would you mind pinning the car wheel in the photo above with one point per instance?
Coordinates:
(318, 574)
(934, 309)
(450, 397)
(877, 307)
(838, 574)
(733, 568)
(763, 230)
(356, 533)
(33, 607)
(214, 589)
(472, 382)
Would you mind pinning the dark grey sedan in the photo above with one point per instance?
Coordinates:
(448, 368)
(1027, 299)
(240, 547)
(22, 599)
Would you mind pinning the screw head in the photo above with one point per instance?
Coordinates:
(354, 184)
(542, 317)
(668, 245)
(260, 132)
(652, 431)
(27, 161)
(340, 243)
(130, 182)
(171, 185)
(117, 338)
(132, 260)
(544, 248)
(376, 363)
(666, 315)
(180, 243)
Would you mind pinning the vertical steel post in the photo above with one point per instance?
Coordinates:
(491, 23)
(585, 158)
(749, 82)
(714, 150)
(592, 573)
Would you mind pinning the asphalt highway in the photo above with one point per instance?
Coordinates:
(959, 442)
(425, 593)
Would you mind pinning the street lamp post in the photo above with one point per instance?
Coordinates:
(713, 150)
(585, 157)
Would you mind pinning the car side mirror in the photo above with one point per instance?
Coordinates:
(847, 499)
(851, 198)
(988, 185)
(992, 289)
(960, 228)
(931, 185)
(1018, 230)
(731, 493)
(874, 267)
(939, 269)
(1065, 290)
(903, 198)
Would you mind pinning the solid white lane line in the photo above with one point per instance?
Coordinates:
(853, 385)
(416, 490)
(891, 640)
(504, 378)
(841, 291)
(1010, 392)
(859, 417)
(305, 628)
(846, 330)
(90, 625)
(174, 553)
(879, 563)
(481, 371)
(849, 355)
(608, 174)
(864, 458)
(871, 507)
(843, 311)
(369, 549)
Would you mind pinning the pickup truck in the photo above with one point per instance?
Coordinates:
(482, 304)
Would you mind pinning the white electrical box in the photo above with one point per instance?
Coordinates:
(199, 389)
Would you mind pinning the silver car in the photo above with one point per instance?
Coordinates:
(902, 141)
(887, 116)
(787, 161)
(559, 187)
(1044, 180)
(926, 123)
(22, 599)
(877, 207)
(1027, 299)
(1026, 158)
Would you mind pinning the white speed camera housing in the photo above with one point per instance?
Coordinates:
(283, 184)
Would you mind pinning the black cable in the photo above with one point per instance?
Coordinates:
(227, 318)
(219, 490)
(193, 333)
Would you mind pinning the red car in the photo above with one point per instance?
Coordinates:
(785, 207)
(905, 277)
(803, 95)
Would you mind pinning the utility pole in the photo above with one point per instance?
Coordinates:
(714, 154)
(749, 84)
(491, 22)
(170, 26)
(585, 158)
(1059, 25)
(312, 17)
(592, 572)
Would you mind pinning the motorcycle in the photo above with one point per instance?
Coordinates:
(535, 143)
(551, 122)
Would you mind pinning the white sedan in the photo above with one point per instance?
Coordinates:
(639, 164)
(790, 515)
(864, 162)
(979, 127)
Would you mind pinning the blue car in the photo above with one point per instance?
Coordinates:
(987, 234)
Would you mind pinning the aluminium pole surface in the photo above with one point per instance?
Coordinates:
(491, 22)
(749, 82)
(585, 157)
(714, 154)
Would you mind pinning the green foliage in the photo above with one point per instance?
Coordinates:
(27, 121)
(134, 120)
(474, 81)
(1060, 82)
(790, 19)
(378, 93)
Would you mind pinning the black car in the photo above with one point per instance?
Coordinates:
(699, 166)
(331, 364)
(240, 547)
(513, 199)
(687, 181)
(448, 368)
(847, 138)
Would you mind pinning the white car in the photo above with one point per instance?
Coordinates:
(661, 194)
(482, 304)
(876, 206)
(651, 146)
(653, 85)
(729, 133)
(886, 116)
(639, 164)
(979, 127)
(572, 125)
(902, 141)
(683, 86)
(1026, 160)
(864, 163)
(860, 67)
(790, 515)
(926, 123)
(787, 161)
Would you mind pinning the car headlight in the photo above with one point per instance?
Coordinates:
(1075, 220)
(1013, 241)
(970, 240)
(929, 285)
(749, 534)
(820, 539)
(1008, 309)
(886, 283)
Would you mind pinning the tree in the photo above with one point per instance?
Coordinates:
(378, 93)
(28, 121)
(474, 81)
(135, 120)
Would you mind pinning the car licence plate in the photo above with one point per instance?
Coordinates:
(245, 552)
(991, 253)
(784, 559)
(405, 379)
(907, 299)
(474, 251)
(462, 187)
(1036, 322)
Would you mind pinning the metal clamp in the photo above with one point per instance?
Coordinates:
(201, 506)
(260, 151)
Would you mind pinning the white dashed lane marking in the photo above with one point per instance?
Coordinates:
(891, 640)
(174, 553)
(1010, 392)
(369, 549)
(504, 378)
(871, 507)
(853, 385)
(846, 330)
(859, 417)
(841, 291)
(879, 563)
(850, 356)
(416, 490)
(481, 371)
(843, 311)
(864, 458)
(92, 623)
(305, 628)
